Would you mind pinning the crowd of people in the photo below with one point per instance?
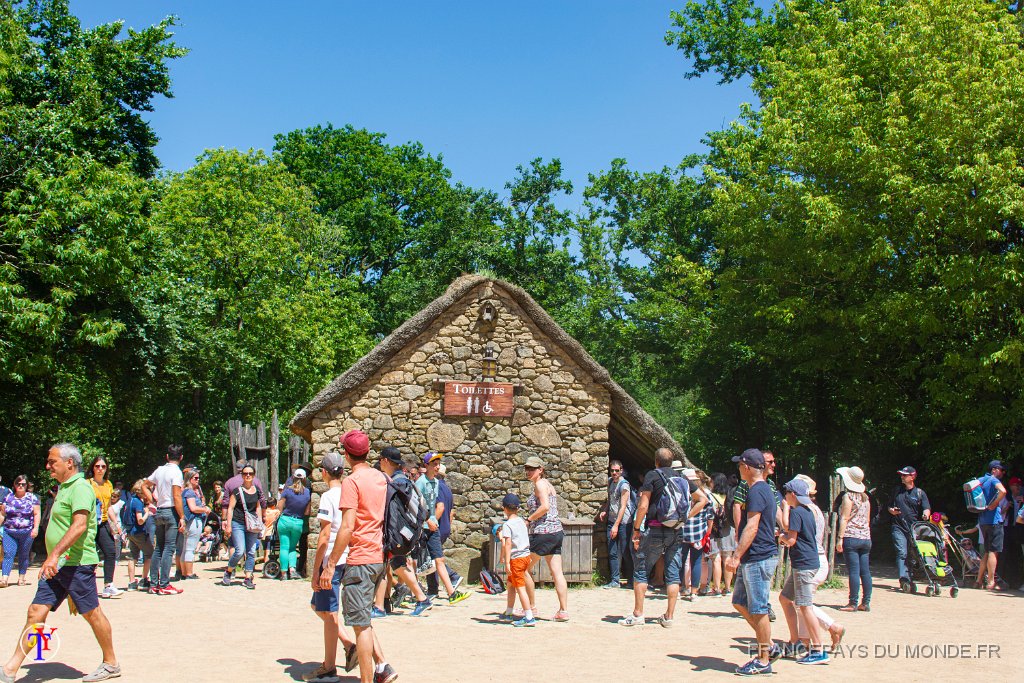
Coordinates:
(696, 535)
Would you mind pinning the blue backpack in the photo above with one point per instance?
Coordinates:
(674, 502)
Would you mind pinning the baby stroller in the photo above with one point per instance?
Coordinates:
(272, 567)
(926, 559)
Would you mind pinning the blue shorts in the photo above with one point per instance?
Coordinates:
(79, 582)
(658, 542)
(754, 585)
(434, 545)
(328, 600)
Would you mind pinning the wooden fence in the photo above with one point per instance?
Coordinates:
(252, 445)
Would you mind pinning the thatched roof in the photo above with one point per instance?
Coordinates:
(632, 431)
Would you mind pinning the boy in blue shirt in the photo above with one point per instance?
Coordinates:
(800, 585)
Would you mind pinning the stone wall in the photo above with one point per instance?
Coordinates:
(561, 415)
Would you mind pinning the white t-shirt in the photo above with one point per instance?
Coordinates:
(515, 528)
(114, 512)
(330, 511)
(164, 478)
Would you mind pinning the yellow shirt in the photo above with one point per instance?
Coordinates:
(103, 493)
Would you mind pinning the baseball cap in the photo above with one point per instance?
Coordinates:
(798, 487)
(511, 501)
(534, 461)
(333, 462)
(1015, 480)
(393, 454)
(907, 470)
(752, 458)
(299, 474)
(356, 443)
(430, 457)
(997, 463)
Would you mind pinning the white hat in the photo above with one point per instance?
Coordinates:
(676, 464)
(853, 478)
(689, 473)
(299, 474)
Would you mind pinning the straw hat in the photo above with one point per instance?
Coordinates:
(853, 478)
(812, 488)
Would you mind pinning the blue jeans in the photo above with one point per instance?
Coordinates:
(166, 531)
(754, 585)
(900, 539)
(17, 545)
(657, 542)
(695, 557)
(617, 548)
(243, 543)
(857, 553)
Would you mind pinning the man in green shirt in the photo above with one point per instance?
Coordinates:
(70, 566)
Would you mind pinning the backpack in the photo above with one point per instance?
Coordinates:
(404, 514)
(127, 523)
(674, 502)
(491, 583)
(974, 496)
(723, 521)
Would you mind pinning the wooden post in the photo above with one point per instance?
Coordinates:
(275, 440)
(833, 518)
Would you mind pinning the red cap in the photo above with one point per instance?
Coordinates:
(356, 443)
(1015, 480)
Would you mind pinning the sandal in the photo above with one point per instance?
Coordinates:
(3, 583)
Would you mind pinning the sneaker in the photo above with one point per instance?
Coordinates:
(110, 591)
(154, 590)
(170, 590)
(524, 622)
(771, 613)
(351, 657)
(376, 613)
(457, 582)
(226, 581)
(611, 584)
(386, 676)
(420, 608)
(514, 615)
(5, 677)
(321, 675)
(819, 657)
(753, 668)
(664, 621)
(458, 597)
(775, 653)
(133, 585)
(632, 620)
(864, 607)
(249, 584)
(144, 585)
(102, 673)
(561, 615)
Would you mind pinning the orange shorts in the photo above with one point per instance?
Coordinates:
(517, 571)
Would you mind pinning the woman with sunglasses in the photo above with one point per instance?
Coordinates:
(546, 532)
(19, 511)
(195, 509)
(244, 500)
(103, 489)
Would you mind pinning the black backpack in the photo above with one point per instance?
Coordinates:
(128, 523)
(404, 514)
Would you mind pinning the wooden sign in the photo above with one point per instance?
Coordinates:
(479, 399)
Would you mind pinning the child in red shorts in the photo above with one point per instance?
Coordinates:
(515, 551)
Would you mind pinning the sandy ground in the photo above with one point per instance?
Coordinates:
(214, 633)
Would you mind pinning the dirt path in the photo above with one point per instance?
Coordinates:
(198, 636)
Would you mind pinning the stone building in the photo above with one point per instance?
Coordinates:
(486, 377)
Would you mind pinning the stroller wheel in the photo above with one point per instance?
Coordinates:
(271, 569)
(954, 591)
(930, 591)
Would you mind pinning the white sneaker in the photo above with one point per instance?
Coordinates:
(632, 620)
(111, 591)
(664, 621)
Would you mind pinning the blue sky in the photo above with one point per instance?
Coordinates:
(486, 85)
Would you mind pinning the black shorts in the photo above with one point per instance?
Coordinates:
(546, 544)
(992, 537)
(76, 582)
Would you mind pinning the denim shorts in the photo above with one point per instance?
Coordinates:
(328, 600)
(434, 545)
(657, 542)
(992, 537)
(78, 582)
(799, 587)
(754, 585)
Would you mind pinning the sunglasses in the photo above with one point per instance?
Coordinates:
(99, 467)
(19, 483)
(248, 474)
(195, 478)
(614, 470)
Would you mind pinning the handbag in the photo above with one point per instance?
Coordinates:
(252, 520)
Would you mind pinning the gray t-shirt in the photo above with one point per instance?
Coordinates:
(615, 490)
(515, 528)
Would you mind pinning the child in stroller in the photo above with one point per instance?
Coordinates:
(207, 543)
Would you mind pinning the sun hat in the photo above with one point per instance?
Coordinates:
(534, 461)
(812, 487)
(689, 473)
(853, 478)
(677, 464)
(356, 443)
